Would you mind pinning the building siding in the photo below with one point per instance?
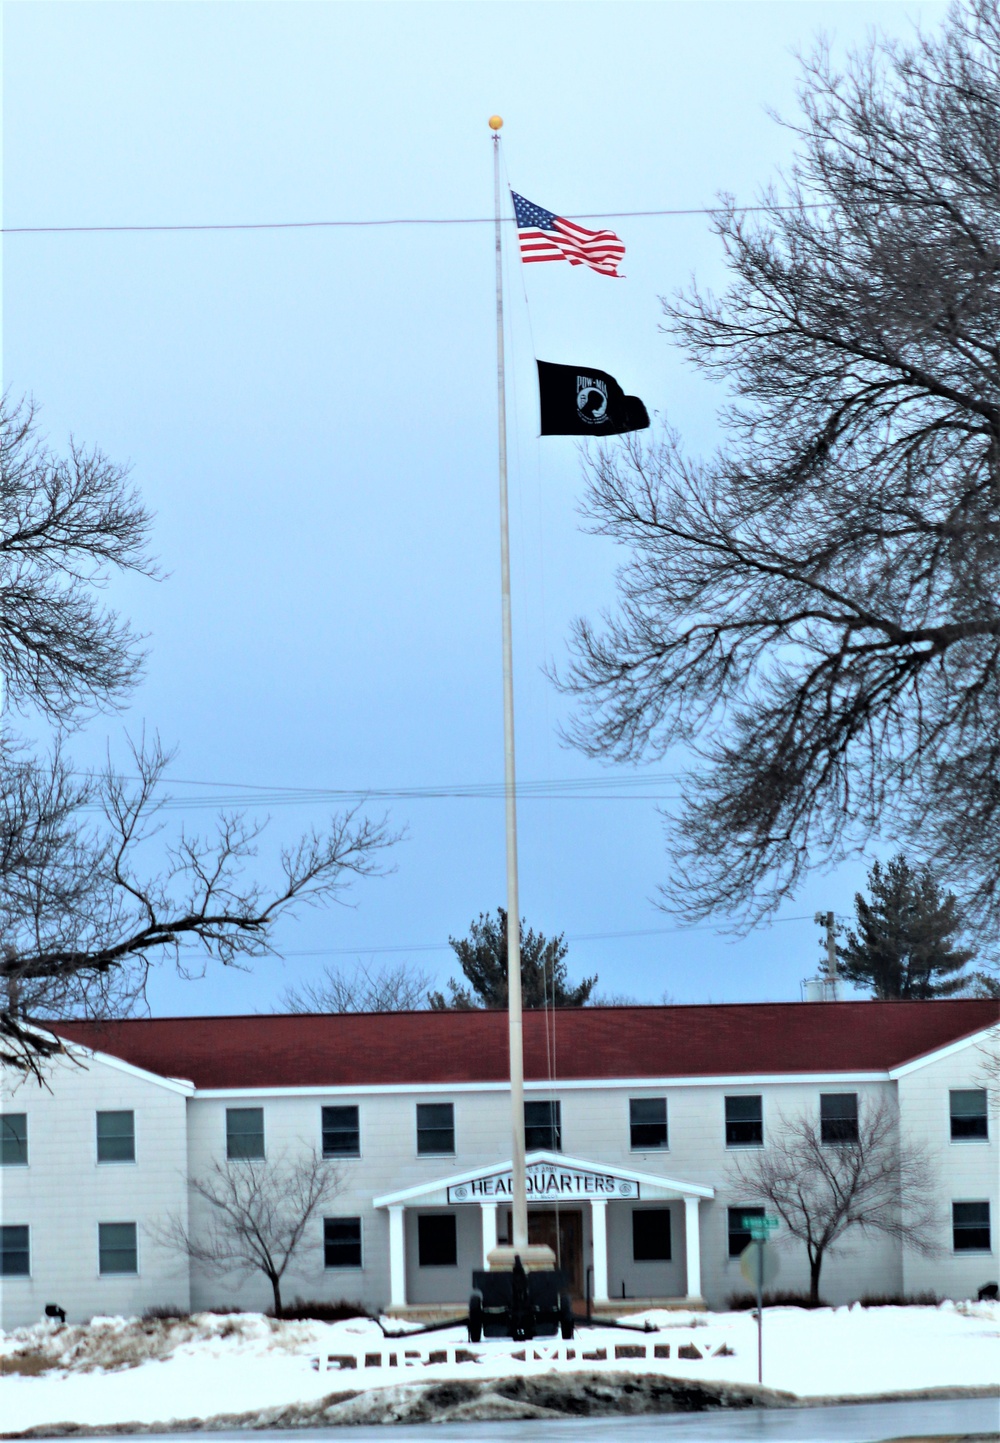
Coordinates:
(64, 1193)
(964, 1171)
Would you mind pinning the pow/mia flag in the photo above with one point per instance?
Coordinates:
(581, 401)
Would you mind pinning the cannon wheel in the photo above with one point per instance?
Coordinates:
(566, 1319)
(476, 1318)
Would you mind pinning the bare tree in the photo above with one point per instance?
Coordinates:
(614, 999)
(90, 892)
(814, 609)
(823, 1189)
(626, 999)
(83, 913)
(260, 1215)
(988, 1069)
(66, 523)
(390, 987)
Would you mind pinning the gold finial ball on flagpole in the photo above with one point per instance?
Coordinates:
(496, 121)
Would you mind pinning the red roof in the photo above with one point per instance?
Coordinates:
(365, 1050)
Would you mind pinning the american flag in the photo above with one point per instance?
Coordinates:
(547, 237)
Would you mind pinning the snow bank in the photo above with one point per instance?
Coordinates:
(248, 1370)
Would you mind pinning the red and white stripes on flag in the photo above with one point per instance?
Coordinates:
(545, 236)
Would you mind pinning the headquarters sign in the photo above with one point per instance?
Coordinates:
(546, 1183)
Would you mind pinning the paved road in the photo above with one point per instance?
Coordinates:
(849, 1423)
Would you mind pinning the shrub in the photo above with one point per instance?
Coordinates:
(743, 1302)
(165, 1313)
(301, 1310)
(899, 1300)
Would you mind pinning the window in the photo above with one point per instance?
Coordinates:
(435, 1127)
(116, 1137)
(838, 1117)
(970, 1223)
(117, 1248)
(244, 1132)
(648, 1122)
(15, 1260)
(968, 1115)
(739, 1236)
(342, 1242)
(744, 1122)
(651, 1235)
(341, 1134)
(437, 1240)
(14, 1139)
(543, 1126)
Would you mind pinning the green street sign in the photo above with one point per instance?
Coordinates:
(759, 1227)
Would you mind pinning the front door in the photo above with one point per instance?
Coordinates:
(562, 1229)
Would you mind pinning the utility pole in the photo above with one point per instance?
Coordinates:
(827, 920)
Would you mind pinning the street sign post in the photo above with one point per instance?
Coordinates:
(759, 1265)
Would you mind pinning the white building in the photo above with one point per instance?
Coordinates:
(635, 1117)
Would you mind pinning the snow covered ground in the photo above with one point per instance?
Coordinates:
(115, 1371)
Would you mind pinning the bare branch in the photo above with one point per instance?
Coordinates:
(823, 1190)
(389, 987)
(83, 915)
(261, 1215)
(813, 611)
(65, 525)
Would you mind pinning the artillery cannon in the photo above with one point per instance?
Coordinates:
(519, 1304)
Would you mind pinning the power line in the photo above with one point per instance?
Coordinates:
(388, 221)
(240, 794)
(570, 937)
(349, 798)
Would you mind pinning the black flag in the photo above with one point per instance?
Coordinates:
(581, 401)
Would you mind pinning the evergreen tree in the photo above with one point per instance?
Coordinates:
(905, 943)
(482, 957)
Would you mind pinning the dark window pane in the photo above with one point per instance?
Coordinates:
(341, 1133)
(739, 1236)
(838, 1116)
(435, 1127)
(437, 1240)
(116, 1137)
(648, 1122)
(744, 1122)
(971, 1227)
(542, 1127)
(651, 1235)
(14, 1139)
(244, 1132)
(15, 1260)
(968, 1114)
(117, 1248)
(342, 1242)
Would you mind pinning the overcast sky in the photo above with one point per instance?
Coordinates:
(311, 413)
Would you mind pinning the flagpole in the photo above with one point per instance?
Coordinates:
(519, 1196)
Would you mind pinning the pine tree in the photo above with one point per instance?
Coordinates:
(482, 957)
(905, 943)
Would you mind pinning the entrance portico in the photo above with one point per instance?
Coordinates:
(605, 1197)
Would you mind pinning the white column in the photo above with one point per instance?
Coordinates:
(397, 1257)
(599, 1231)
(489, 1216)
(692, 1246)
